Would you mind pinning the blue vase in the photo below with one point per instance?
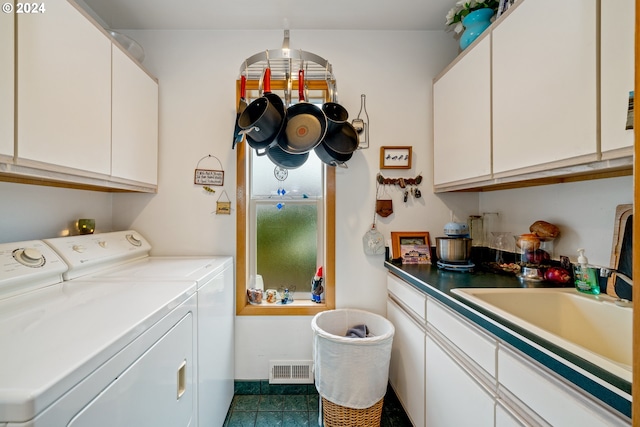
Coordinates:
(474, 24)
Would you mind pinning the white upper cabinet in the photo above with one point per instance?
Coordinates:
(544, 85)
(6, 83)
(617, 72)
(135, 121)
(63, 90)
(462, 118)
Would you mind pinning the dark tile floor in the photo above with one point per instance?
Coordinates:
(260, 404)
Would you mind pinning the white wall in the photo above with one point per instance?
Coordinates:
(197, 72)
(584, 211)
(35, 212)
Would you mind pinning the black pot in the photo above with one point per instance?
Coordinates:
(263, 119)
(342, 139)
(286, 160)
(330, 157)
(336, 115)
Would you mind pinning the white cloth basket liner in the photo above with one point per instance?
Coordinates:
(351, 372)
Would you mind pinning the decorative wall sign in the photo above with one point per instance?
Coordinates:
(209, 176)
(224, 207)
(395, 157)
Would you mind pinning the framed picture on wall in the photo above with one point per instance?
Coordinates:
(413, 247)
(395, 157)
(503, 6)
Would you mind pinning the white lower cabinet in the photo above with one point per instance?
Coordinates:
(460, 370)
(547, 397)
(455, 397)
(448, 371)
(506, 417)
(407, 367)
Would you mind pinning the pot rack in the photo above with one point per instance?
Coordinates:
(285, 63)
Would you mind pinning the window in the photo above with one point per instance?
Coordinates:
(285, 226)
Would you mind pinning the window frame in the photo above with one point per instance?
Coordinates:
(243, 218)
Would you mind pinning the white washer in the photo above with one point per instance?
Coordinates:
(92, 258)
(70, 347)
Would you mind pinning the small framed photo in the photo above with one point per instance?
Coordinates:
(413, 246)
(503, 6)
(395, 157)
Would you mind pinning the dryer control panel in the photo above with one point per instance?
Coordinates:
(89, 253)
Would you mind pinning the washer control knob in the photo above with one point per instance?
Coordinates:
(102, 243)
(78, 248)
(32, 256)
(29, 256)
(134, 239)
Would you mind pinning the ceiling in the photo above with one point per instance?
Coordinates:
(273, 14)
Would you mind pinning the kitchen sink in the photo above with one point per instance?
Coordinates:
(593, 327)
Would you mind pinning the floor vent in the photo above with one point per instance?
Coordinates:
(291, 372)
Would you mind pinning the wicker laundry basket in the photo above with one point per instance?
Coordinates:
(351, 374)
(341, 416)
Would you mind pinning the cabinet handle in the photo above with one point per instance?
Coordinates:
(182, 379)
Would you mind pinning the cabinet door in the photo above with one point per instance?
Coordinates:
(135, 121)
(64, 90)
(6, 83)
(544, 85)
(551, 399)
(454, 397)
(407, 367)
(616, 68)
(504, 418)
(462, 118)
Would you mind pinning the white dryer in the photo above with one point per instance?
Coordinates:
(79, 353)
(124, 255)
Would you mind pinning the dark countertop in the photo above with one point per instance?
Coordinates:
(438, 284)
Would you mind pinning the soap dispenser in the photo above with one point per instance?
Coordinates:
(585, 275)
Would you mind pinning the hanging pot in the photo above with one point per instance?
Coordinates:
(263, 119)
(341, 136)
(281, 158)
(306, 124)
(330, 157)
(342, 139)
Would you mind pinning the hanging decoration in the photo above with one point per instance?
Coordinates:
(373, 240)
(281, 174)
(409, 186)
(207, 177)
(361, 125)
(223, 207)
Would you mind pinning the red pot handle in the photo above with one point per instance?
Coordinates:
(267, 80)
(301, 85)
(243, 87)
